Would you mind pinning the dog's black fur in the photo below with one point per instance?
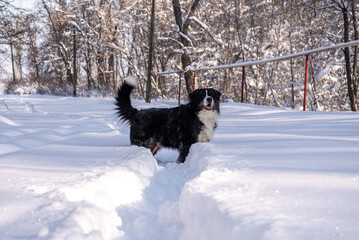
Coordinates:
(177, 127)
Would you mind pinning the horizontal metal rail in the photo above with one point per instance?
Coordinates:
(274, 59)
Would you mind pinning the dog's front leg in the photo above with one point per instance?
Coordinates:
(183, 152)
(155, 149)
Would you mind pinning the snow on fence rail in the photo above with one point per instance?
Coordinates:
(263, 61)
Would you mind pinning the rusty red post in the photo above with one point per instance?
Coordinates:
(243, 79)
(194, 80)
(305, 83)
(179, 89)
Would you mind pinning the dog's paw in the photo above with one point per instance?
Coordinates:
(180, 160)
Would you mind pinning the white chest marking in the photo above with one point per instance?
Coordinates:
(209, 119)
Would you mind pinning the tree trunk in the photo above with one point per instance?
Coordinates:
(74, 80)
(291, 52)
(150, 54)
(355, 61)
(352, 95)
(183, 25)
(89, 69)
(12, 63)
(100, 71)
(111, 71)
(69, 77)
(188, 75)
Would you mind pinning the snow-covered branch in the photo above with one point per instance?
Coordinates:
(209, 31)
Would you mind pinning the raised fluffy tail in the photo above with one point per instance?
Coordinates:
(123, 102)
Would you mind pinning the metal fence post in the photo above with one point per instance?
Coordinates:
(194, 80)
(243, 79)
(179, 89)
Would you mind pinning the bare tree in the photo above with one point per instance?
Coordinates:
(351, 75)
(32, 33)
(183, 24)
(150, 53)
(11, 34)
(350, 65)
(112, 43)
(59, 35)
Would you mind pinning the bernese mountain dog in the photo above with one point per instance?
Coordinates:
(177, 127)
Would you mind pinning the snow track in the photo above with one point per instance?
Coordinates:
(67, 171)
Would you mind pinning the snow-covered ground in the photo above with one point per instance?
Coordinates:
(67, 171)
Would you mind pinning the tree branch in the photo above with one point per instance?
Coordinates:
(190, 12)
(205, 27)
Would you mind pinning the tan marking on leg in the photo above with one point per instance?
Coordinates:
(155, 149)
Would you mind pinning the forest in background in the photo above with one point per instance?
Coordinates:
(88, 47)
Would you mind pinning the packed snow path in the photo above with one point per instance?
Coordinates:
(67, 171)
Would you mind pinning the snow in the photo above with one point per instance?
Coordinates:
(67, 171)
(2, 87)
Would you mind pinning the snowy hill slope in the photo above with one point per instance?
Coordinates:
(67, 171)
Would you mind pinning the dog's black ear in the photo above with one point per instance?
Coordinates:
(217, 94)
(192, 95)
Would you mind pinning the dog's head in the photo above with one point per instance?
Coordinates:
(205, 99)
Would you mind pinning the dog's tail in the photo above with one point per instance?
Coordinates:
(123, 102)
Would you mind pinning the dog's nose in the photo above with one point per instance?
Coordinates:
(209, 100)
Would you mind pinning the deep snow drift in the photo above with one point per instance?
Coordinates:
(67, 171)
